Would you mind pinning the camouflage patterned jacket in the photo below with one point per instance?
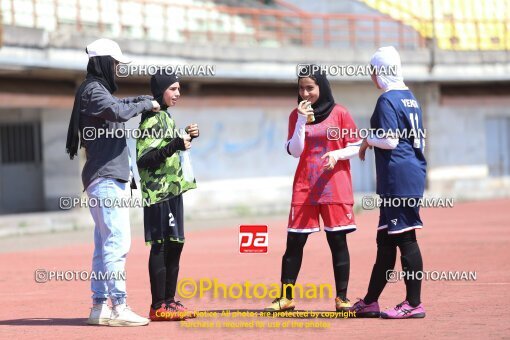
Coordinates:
(157, 129)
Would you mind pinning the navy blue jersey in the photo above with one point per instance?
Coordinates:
(401, 171)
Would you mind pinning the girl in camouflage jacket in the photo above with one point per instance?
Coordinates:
(162, 181)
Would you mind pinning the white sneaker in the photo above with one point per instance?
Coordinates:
(99, 314)
(122, 316)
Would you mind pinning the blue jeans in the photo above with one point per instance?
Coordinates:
(112, 239)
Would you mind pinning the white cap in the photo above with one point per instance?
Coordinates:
(102, 47)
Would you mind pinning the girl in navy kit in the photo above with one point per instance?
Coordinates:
(401, 172)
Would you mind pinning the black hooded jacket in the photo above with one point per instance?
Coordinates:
(95, 117)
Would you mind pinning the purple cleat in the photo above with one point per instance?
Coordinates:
(404, 311)
(363, 310)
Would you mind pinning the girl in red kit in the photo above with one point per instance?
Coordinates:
(323, 135)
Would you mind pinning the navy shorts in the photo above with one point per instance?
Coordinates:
(398, 215)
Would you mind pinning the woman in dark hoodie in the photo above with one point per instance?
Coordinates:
(106, 174)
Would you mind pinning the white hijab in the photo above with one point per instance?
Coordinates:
(382, 59)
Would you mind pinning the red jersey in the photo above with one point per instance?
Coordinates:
(313, 184)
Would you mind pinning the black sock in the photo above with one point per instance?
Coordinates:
(291, 261)
(385, 260)
(411, 264)
(173, 256)
(163, 271)
(157, 274)
(287, 290)
(341, 261)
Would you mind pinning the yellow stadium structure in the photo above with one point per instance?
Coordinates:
(456, 24)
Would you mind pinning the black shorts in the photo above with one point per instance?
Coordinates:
(164, 221)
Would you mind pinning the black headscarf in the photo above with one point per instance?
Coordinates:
(325, 104)
(102, 68)
(159, 84)
(99, 69)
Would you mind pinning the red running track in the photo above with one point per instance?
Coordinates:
(469, 237)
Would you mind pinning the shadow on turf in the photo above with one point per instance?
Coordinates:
(83, 321)
(45, 322)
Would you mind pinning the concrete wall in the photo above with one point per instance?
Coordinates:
(21, 188)
(239, 159)
(240, 163)
(62, 177)
(458, 147)
(56, 176)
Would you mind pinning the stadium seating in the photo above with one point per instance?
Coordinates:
(455, 24)
(155, 20)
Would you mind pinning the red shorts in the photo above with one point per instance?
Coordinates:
(336, 217)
